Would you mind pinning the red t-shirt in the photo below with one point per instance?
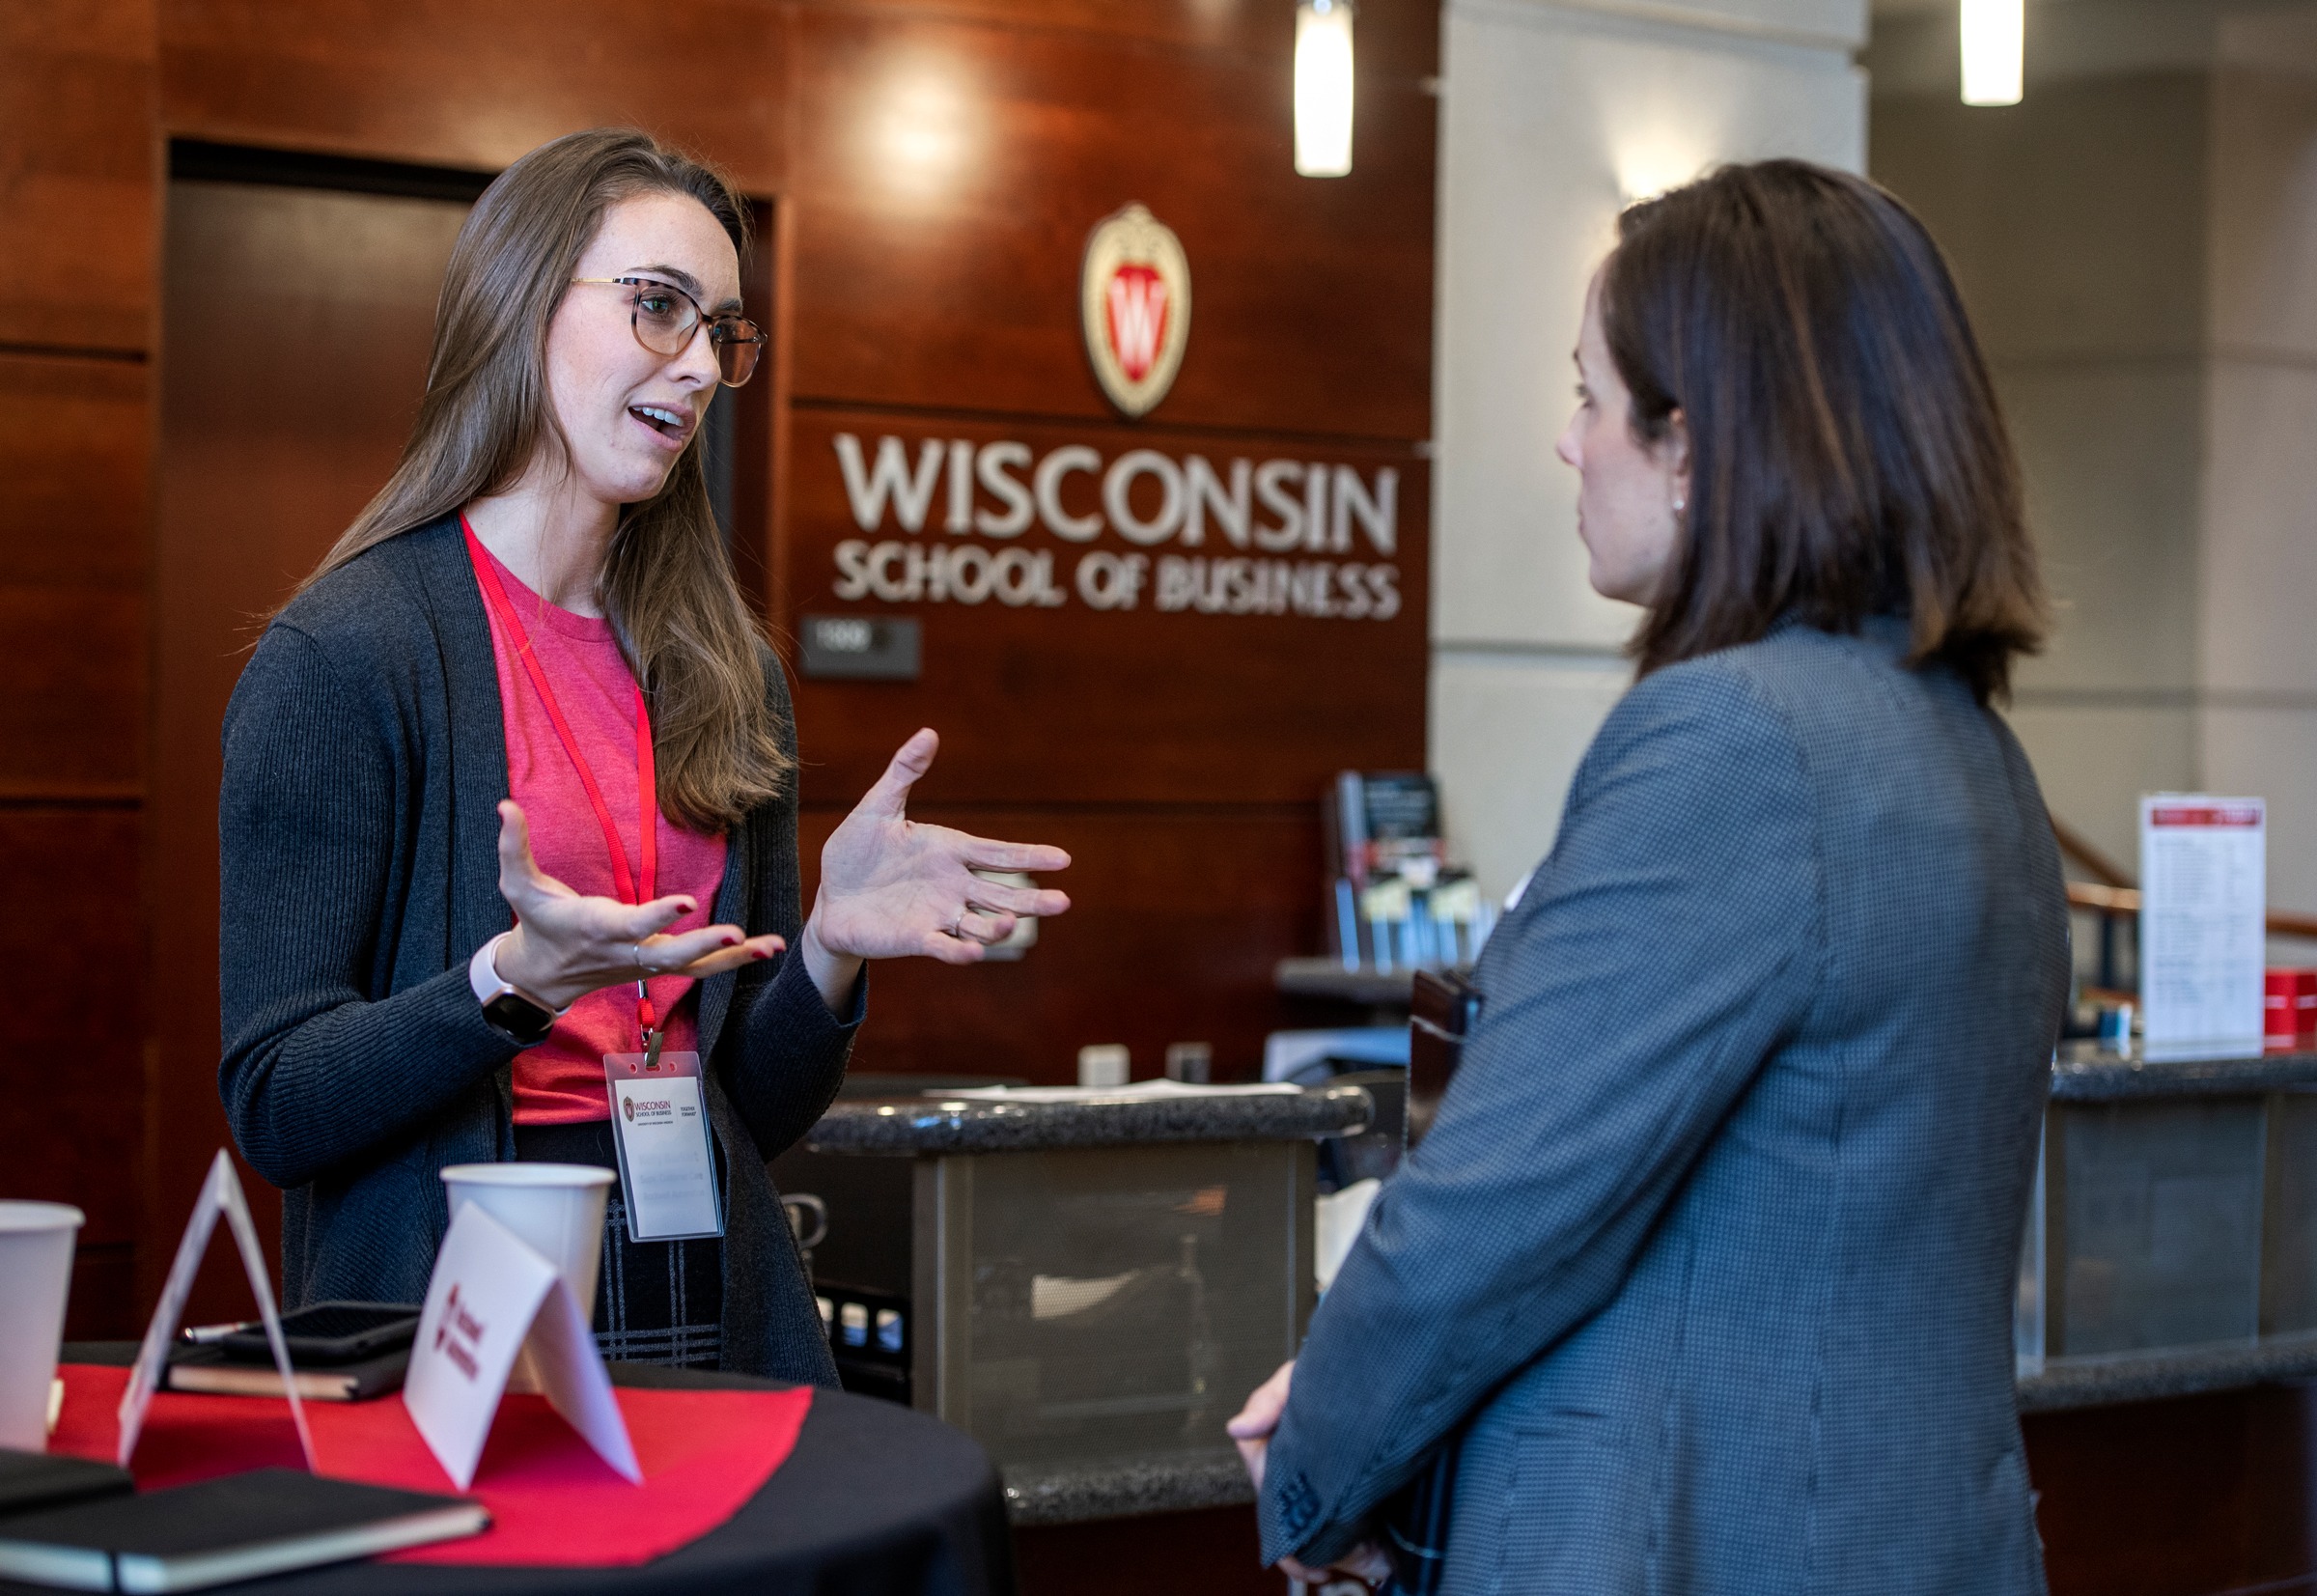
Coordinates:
(560, 1081)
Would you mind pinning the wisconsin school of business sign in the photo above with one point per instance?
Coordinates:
(998, 520)
(1134, 307)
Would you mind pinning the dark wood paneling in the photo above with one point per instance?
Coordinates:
(1070, 704)
(77, 163)
(75, 440)
(1212, 1553)
(103, 1303)
(475, 83)
(1397, 41)
(948, 174)
(73, 930)
(74, 435)
(299, 323)
(1177, 917)
(74, 686)
(2191, 1496)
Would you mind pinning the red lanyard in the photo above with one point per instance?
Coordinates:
(647, 787)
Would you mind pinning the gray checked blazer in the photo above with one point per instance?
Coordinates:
(1709, 1255)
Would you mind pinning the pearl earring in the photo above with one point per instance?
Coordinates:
(1680, 504)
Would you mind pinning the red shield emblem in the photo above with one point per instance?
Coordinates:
(1134, 294)
(1135, 305)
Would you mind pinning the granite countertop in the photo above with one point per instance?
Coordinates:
(938, 1124)
(2092, 1381)
(2088, 1072)
(1072, 1492)
(1069, 1493)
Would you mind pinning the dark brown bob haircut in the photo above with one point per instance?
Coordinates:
(1847, 454)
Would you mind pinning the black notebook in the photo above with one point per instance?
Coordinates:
(37, 1479)
(213, 1371)
(242, 1527)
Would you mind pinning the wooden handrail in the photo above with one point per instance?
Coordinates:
(2125, 900)
(2076, 847)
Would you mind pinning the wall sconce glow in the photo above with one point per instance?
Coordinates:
(1647, 167)
(1992, 48)
(1324, 88)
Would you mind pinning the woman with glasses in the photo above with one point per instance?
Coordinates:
(510, 807)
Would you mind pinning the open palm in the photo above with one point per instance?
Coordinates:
(891, 887)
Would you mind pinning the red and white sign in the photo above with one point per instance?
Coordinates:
(2203, 921)
(1134, 302)
(491, 1298)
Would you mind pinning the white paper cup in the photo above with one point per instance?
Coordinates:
(557, 1208)
(36, 1271)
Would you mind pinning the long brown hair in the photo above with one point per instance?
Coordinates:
(1846, 453)
(667, 583)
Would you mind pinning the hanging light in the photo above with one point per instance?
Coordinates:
(1324, 88)
(1993, 46)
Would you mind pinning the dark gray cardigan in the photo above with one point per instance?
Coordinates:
(365, 753)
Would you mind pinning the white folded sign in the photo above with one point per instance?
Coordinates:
(221, 1194)
(492, 1296)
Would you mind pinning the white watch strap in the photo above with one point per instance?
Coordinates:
(482, 969)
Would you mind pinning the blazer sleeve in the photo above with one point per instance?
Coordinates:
(793, 1048)
(315, 1069)
(1663, 951)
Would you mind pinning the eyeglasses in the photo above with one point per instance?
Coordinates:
(665, 318)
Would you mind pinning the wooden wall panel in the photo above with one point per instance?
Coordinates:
(947, 175)
(1216, 1552)
(77, 167)
(1176, 916)
(1398, 40)
(298, 323)
(2197, 1496)
(73, 692)
(1069, 704)
(475, 83)
(78, 164)
(73, 437)
(73, 1078)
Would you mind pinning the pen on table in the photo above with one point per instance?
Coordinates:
(203, 1335)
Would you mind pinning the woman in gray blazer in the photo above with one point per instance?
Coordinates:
(1702, 1281)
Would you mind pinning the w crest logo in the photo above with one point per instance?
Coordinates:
(1135, 300)
(1137, 312)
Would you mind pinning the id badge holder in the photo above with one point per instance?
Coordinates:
(667, 1162)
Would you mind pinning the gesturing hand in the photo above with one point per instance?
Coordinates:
(890, 886)
(565, 945)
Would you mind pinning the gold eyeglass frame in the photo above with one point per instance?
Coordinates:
(723, 331)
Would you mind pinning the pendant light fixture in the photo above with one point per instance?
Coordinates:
(1324, 88)
(1994, 44)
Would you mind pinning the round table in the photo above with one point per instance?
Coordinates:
(876, 1499)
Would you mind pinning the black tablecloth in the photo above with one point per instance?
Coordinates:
(876, 1500)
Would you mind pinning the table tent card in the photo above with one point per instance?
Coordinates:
(220, 1193)
(2203, 922)
(491, 1298)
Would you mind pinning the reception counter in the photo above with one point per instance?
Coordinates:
(1089, 1288)
(2186, 1190)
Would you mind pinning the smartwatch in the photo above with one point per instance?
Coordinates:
(508, 1009)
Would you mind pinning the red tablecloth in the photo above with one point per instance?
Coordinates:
(552, 1502)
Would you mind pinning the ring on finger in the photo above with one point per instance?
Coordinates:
(637, 948)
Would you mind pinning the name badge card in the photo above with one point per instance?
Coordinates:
(667, 1163)
(221, 1194)
(492, 1296)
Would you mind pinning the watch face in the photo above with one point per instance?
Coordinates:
(519, 1017)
